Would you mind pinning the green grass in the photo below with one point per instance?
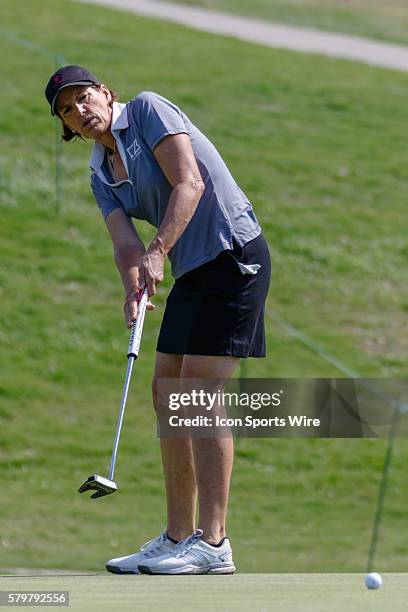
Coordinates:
(319, 146)
(262, 592)
(386, 21)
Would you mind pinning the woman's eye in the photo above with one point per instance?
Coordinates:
(66, 111)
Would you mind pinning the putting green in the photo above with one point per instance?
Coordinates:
(241, 592)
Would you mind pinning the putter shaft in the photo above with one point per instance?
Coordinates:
(132, 354)
(121, 413)
(102, 485)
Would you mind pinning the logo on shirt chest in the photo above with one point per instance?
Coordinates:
(133, 150)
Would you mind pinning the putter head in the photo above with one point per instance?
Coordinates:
(102, 486)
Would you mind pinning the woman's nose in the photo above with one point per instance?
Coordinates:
(79, 108)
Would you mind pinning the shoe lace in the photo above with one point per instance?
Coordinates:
(184, 546)
(154, 543)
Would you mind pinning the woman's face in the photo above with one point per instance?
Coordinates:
(86, 110)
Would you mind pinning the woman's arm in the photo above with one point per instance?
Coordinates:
(128, 251)
(176, 158)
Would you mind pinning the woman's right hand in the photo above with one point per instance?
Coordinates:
(130, 307)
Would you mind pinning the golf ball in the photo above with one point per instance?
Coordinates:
(373, 580)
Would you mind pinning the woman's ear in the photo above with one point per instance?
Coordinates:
(106, 92)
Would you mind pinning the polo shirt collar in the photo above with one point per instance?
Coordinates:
(119, 122)
(120, 119)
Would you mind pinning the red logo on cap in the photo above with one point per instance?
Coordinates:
(56, 79)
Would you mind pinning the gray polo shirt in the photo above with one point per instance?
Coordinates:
(223, 213)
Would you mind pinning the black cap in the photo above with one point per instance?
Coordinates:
(65, 77)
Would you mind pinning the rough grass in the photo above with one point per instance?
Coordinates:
(319, 146)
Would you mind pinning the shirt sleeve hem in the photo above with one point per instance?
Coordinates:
(167, 133)
(110, 210)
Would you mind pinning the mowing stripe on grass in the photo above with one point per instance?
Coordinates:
(299, 335)
(28, 44)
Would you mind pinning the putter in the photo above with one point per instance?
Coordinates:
(105, 486)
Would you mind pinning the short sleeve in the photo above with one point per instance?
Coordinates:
(105, 203)
(157, 117)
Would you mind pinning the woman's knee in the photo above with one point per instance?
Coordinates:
(166, 376)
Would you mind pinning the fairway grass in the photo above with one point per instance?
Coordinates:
(238, 593)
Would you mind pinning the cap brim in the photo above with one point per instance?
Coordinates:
(84, 83)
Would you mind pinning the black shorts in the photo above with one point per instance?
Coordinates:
(216, 310)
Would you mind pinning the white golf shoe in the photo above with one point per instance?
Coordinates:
(154, 548)
(192, 556)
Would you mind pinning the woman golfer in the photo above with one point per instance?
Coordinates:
(150, 162)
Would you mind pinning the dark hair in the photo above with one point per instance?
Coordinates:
(67, 133)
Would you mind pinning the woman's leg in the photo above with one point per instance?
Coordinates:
(177, 460)
(213, 457)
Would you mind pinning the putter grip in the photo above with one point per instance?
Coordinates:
(136, 333)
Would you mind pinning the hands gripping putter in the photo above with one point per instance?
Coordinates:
(105, 486)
